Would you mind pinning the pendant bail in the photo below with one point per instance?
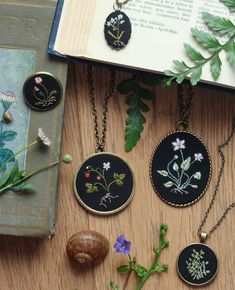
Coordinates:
(203, 236)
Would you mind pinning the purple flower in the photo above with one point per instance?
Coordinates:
(122, 245)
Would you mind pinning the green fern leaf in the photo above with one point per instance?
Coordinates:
(230, 53)
(193, 54)
(207, 40)
(230, 4)
(215, 66)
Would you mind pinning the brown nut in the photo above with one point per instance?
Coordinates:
(87, 247)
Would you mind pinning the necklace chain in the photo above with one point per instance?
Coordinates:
(185, 107)
(121, 3)
(100, 140)
(232, 205)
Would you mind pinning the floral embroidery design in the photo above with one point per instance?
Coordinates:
(102, 182)
(42, 95)
(116, 32)
(6, 100)
(178, 167)
(196, 266)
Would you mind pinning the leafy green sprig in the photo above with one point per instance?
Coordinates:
(137, 91)
(218, 25)
(141, 272)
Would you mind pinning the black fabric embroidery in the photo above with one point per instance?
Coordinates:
(197, 264)
(104, 183)
(117, 29)
(180, 168)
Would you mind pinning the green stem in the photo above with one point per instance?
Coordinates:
(17, 153)
(29, 175)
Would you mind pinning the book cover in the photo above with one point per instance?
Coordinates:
(24, 33)
(159, 31)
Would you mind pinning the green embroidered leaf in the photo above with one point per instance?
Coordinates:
(207, 40)
(119, 176)
(219, 24)
(122, 176)
(175, 166)
(197, 175)
(135, 120)
(91, 188)
(140, 271)
(115, 175)
(119, 182)
(193, 54)
(215, 66)
(196, 75)
(168, 184)
(230, 53)
(193, 185)
(186, 164)
(8, 135)
(230, 4)
(163, 172)
(123, 268)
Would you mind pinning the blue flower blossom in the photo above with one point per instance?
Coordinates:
(122, 245)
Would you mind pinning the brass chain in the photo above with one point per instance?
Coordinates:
(232, 205)
(185, 106)
(119, 3)
(100, 140)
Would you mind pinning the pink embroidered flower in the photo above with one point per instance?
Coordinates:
(87, 175)
(38, 80)
(7, 97)
(98, 178)
(36, 89)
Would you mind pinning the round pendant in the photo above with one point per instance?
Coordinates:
(117, 29)
(104, 184)
(180, 169)
(42, 91)
(197, 264)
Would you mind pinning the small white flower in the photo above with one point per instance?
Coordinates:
(42, 138)
(198, 157)
(178, 144)
(120, 16)
(112, 20)
(106, 165)
(108, 24)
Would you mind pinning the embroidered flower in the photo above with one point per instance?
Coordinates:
(122, 245)
(36, 89)
(120, 16)
(38, 80)
(7, 97)
(198, 157)
(42, 138)
(98, 178)
(106, 165)
(87, 175)
(178, 144)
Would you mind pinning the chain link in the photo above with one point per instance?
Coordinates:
(232, 205)
(185, 106)
(119, 3)
(100, 140)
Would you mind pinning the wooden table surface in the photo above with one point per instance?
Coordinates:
(32, 264)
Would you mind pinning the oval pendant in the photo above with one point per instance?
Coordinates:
(117, 29)
(197, 264)
(104, 184)
(180, 169)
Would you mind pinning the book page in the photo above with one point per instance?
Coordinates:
(159, 29)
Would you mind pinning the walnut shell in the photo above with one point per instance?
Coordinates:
(87, 247)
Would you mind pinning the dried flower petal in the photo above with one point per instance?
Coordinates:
(42, 138)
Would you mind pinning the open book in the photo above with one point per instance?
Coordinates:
(159, 29)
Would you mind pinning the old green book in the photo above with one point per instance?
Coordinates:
(24, 34)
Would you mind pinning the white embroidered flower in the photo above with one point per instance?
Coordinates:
(178, 144)
(106, 165)
(42, 138)
(120, 16)
(38, 80)
(112, 20)
(198, 157)
(7, 97)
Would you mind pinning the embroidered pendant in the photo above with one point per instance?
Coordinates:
(42, 91)
(180, 169)
(104, 184)
(117, 29)
(197, 264)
